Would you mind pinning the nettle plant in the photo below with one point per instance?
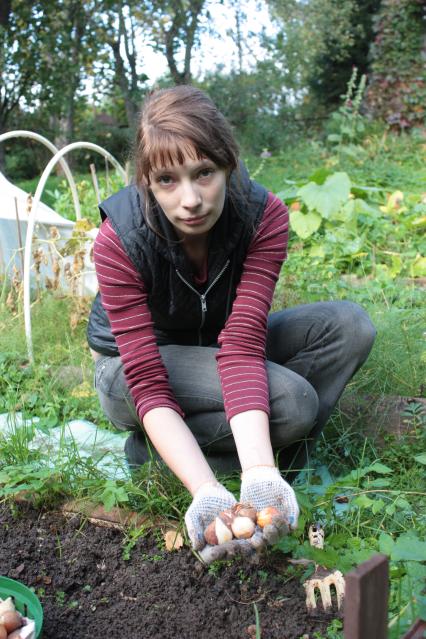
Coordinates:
(347, 124)
(358, 228)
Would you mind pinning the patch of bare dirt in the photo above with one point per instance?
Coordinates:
(88, 589)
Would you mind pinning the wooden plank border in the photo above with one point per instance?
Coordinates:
(417, 630)
(366, 600)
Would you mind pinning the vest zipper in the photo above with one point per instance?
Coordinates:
(202, 296)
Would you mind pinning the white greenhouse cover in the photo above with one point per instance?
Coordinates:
(45, 220)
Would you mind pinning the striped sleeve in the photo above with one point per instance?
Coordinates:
(241, 358)
(124, 298)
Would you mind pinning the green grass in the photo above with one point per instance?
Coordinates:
(385, 485)
(392, 162)
(57, 193)
(53, 182)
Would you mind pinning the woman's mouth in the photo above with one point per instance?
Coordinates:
(195, 221)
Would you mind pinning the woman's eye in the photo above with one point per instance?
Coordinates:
(164, 179)
(205, 173)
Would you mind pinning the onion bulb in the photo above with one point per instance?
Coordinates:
(242, 527)
(245, 510)
(11, 620)
(217, 532)
(266, 516)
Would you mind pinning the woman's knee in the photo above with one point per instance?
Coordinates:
(120, 412)
(114, 396)
(293, 410)
(355, 327)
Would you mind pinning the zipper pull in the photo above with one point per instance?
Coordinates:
(203, 303)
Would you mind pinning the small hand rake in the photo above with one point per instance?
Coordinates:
(322, 580)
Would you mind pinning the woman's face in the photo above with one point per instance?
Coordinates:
(191, 195)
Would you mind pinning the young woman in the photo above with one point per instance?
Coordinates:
(186, 352)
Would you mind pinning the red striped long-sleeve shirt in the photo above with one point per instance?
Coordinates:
(241, 358)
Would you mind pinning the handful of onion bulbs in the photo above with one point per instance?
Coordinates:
(238, 522)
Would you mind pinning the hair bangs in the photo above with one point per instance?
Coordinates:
(162, 149)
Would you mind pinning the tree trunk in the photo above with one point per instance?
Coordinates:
(238, 38)
(2, 153)
(121, 79)
(5, 8)
(184, 26)
(129, 89)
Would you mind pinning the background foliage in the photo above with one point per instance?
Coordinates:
(397, 91)
(73, 69)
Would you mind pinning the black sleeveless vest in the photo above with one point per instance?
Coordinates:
(182, 312)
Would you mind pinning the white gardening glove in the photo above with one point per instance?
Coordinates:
(209, 500)
(263, 486)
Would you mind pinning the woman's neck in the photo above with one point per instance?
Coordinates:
(196, 250)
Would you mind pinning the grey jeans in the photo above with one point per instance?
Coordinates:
(312, 352)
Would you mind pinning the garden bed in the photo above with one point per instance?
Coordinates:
(89, 589)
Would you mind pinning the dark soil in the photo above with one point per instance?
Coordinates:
(88, 590)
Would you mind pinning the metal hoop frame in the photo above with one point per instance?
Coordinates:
(57, 157)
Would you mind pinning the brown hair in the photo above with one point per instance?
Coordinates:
(176, 123)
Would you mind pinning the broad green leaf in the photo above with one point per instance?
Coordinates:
(329, 557)
(418, 267)
(304, 224)
(320, 175)
(337, 540)
(402, 503)
(327, 198)
(356, 557)
(347, 130)
(345, 212)
(409, 548)
(287, 544)
(317, 250)
(288, 195)
(352, 247)
(416, 570)
(377, 467)
(108, 500)
(397, 266)
(419, 221)
(334, 137)
(386, 543)
(380, 482)
(359, 189)
(421, 458)
(304, 500)
(362, 501)
(378, 505)
(361, 206)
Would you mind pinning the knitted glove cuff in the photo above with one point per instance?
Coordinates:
(210, 489)
(260, 473)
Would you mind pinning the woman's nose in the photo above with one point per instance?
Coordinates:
(190, 197)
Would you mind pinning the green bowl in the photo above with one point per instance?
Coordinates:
(26, 602)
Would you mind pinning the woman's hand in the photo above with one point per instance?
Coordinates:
(263, 486)
(209, 500)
